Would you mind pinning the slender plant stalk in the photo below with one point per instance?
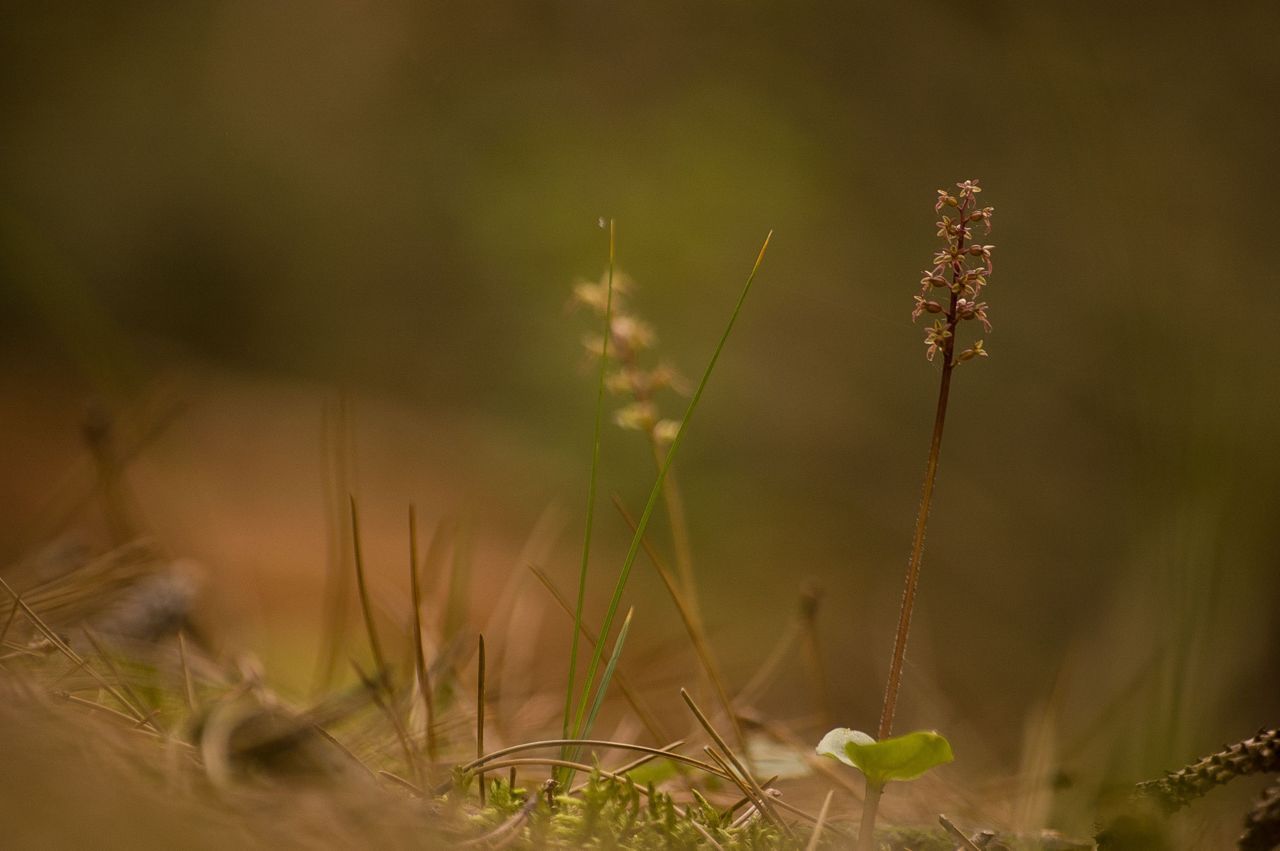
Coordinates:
(656, 491)
(366, 606)
(569, 725)
(419, 652)
(867, 829)
(964, 288)
(480, 673)
(188, 689)
(917, 545)
(816, 836)
(949, 826)
(339, 458)
(926, 502)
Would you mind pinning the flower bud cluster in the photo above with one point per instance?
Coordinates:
(962, 268)
(628, 375)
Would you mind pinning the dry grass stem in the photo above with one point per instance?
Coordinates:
(419, 652)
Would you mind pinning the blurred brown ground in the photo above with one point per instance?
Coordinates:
(256, 206)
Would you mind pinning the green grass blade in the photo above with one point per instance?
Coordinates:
(609, 669)
(591, 487)
(604, 685)
(655, 494)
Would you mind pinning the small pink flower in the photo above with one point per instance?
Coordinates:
(962, 268)
(966, 309)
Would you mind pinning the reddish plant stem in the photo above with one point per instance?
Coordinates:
(926, 500)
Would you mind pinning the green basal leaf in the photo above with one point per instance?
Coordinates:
(900, 758)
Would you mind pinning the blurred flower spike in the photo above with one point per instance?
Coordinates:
(630, 375)
(963, 267)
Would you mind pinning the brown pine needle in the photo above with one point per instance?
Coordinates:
(65, 649)
(750, 785)
(400, 781)
(949, 826)
(136, 702)
(816, 837)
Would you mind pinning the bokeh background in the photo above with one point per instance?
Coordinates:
(263, 208)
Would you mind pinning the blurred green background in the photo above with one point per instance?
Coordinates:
(395, 198)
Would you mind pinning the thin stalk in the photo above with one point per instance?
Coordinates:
(866, 837)
(569, 726)
(816, 836)
(480, 672)
(744, 787)
(337, 452)
(366, 606)
(867, 830)
(922, 518)
(966, 843)
(419, 652)
(188, 688)
(752, 786)
(400, 781)
(656, 491)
